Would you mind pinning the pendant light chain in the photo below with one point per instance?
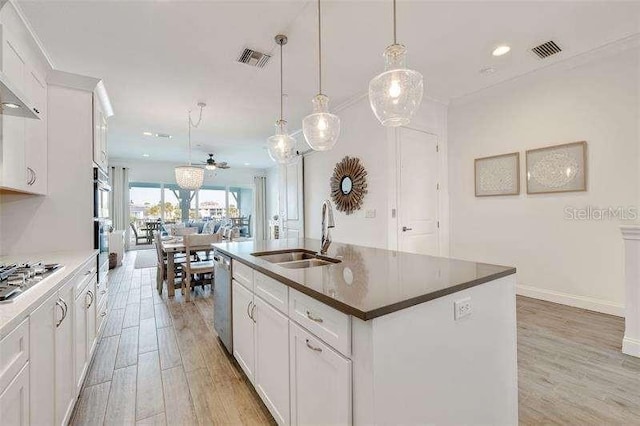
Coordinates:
(281, 90)
(192, 124)
(395, 38)
(319, 49)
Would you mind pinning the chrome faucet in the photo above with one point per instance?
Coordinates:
(327, 214)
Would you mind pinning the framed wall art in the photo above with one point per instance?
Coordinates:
(497, 175)
(559, 168)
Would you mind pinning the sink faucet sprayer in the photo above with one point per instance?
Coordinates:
(327, 210)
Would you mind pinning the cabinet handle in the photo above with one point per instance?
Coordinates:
(313, 348)
(312, 318)
(249, 309)
(89, 293)
(30, 176)
(103, 292)
(104, 314)
(87, 273)
(405, 229)
(59, 304)
(35, 177)
(252, 317)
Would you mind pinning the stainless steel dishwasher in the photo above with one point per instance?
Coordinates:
(222, 301)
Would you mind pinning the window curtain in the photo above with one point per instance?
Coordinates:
(119, 197)
(260, 207)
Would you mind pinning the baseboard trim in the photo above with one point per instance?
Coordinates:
(631, 346)
(582, 302)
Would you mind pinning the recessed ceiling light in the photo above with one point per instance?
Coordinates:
(145, 155)
(501, 50)
(487, 70)
(247, 164)
(147, 133)
(163, 135)
(10, 105)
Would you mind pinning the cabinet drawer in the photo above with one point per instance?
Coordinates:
(273, 292)
(328, 324)
(84, 275)
(14, 353)
(243, 274)
(101, 292)
(101, 314)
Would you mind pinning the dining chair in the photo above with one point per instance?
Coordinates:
(191, 267)
(181, 232)
(161, 273)
(138, 238)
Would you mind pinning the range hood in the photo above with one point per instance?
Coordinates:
(12, 102)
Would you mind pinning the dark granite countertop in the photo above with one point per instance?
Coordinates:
(369, 282)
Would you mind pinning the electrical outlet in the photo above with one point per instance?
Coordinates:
(462, 308)
(370, 214)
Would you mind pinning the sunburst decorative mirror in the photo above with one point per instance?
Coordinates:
(348, 185)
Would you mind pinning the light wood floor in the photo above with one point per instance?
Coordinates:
(160, 362)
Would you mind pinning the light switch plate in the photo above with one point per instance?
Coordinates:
(370, 214)
(462, 308)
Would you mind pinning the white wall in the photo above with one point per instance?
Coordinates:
(273, 175)
(362, 136)
(573, 262)
(161, 172)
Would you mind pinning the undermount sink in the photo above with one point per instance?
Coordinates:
(296, 259)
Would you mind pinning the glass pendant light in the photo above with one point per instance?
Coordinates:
(281, 146)
(191, 177)
(396, 94)
(321, 128)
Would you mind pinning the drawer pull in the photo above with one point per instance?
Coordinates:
(87, 273)
(90, 294)
(63, 306)
(104, 314)
(313, 348)
(312, 318)
(103, 292)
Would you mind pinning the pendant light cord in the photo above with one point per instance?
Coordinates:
(395, 38)
(319, 49)
(281, 90)
(192, 124)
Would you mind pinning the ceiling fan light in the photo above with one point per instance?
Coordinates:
(281, 146)
(210, 167)
(189, 177)
(321, 129)
(396, 94)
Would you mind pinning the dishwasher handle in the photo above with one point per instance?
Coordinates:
(224, 263)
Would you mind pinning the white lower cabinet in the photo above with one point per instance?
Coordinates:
(14, 400)
(272, 359)
(243, 336)
(85, 337)
(300, 378)
(51, 360)
(320, 381)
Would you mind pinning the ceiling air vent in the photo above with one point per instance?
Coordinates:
(546, 49)
(254, 58)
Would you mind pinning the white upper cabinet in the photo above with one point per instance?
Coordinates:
(99, 135)
(23, 153)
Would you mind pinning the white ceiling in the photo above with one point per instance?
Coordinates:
(159, 58)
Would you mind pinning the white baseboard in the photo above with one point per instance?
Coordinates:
(583, 302)
(631, 346)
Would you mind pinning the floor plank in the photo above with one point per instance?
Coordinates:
(147, 340)
(177, 399)
(168, 348)
(121, 409)
(157, 420)
(127, 348)
(131, 316)
(150, 399)
(104, 362)
(91, 406)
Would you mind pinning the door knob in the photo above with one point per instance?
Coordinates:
(405, 229)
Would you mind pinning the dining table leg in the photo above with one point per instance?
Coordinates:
(171, 274)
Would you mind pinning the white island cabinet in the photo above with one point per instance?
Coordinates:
(374, 337)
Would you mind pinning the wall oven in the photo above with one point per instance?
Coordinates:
(101, 221)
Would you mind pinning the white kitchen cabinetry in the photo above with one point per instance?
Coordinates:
(14, 401)
(51, 333)
(99, 135)
(24, 140)
(85, 327)
(243, 334)
(261, 346)
(272, 359)
(320, 381)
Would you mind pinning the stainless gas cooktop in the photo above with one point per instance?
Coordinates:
(17, 278)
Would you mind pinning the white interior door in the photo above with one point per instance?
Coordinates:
(418, 192)
(291, 193)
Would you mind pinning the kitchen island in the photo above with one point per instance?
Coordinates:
(370, 336)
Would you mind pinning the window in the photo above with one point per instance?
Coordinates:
(145, 202)
(212, 203)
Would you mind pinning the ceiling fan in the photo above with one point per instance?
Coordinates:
(211, 164)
